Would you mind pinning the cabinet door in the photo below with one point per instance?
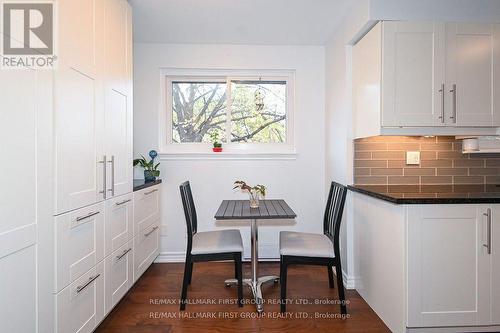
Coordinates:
(119, 222)
(20, 117)
(495, 264)
(79, 243)
(146, 208)
(146, 248)
(118, 96)
(119, 274)
(471, 74)
(80, 306)
(448, 267)
(79, 106)
(412, 74)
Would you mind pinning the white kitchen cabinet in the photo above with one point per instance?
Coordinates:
(413, 73)
(79, 106)
(472, 80)
(22, 121)
(119, 274)
(448, 266)
(147, 248)
(146, 207)
(79, 243)
(93, 103)
(119, 222)
(494, 242)
(118, 97)
(80, 306)
(435, 78)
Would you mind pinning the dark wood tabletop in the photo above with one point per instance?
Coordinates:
(240, 210)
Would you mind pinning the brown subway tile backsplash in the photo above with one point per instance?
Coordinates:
(381, 161)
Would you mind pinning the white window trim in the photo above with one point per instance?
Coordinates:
(231, 150)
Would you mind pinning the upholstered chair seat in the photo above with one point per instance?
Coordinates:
(305, 245)
(220, 241)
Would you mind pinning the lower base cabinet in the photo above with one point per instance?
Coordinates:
(147, 248)
(80, 306)
(100, 254)
(118, 274)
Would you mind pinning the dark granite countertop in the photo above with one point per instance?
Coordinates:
(432, 194)
(139, 184)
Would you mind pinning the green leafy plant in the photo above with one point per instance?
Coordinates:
(244, 187)
(214, 136)
(149, 166)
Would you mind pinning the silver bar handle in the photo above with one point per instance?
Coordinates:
(488, 226)
(152, 191)
(123, 254)
(442, 103)
(112, 189)
(86, 216)
(123, 202)
(454, 103)
(149, 233)
(91, 279)
(103, 177)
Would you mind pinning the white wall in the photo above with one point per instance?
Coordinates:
(300, 181)
(339, 149)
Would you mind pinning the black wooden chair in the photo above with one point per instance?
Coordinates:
(208, 246)
(298, 248)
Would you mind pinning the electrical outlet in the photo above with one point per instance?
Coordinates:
(412, 157)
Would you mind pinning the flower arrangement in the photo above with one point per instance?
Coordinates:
(255, 192)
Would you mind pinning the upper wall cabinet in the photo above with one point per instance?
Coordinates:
(472, 76)
(428, 78)
(93, 103)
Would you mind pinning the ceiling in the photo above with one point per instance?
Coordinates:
(273, 22)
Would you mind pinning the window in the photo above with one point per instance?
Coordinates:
(246, 113)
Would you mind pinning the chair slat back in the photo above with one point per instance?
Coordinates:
(334, 210)
(189, 210)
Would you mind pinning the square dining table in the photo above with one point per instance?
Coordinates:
(267, 210)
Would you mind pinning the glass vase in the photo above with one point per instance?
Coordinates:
(254, 199)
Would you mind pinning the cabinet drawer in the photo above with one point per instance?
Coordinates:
(80, 306)
(119, 222)
(146, 246)
(146, 207)
(79, 243)
(119, 274)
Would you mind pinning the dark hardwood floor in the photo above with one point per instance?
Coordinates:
(151, 306)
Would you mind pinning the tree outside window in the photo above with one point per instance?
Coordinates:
(241, 111)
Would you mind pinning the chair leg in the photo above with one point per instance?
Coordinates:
(239, 276)
(330, 276)
(340, 285)
(188, 266)
(191, 272)
(283, 273)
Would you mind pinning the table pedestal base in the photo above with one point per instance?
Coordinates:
(255, 287)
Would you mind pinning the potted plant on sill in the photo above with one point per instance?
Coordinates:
(214, 136)
(255, 192)
(150, 168)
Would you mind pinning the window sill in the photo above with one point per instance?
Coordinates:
(228, 156)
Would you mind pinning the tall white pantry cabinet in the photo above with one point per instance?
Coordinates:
(66, 154)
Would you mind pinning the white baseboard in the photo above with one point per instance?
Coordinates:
(166, 257)
(349, 281)
(465, 329)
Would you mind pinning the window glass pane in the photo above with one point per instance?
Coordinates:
(199, 108)
(258, 111)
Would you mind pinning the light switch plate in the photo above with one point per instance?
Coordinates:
(412, 157)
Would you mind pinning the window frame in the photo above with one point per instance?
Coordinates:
(166, 144)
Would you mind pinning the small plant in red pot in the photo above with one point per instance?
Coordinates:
(217, 148)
